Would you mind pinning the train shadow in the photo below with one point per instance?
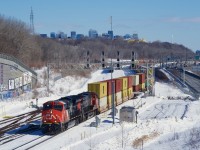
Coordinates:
(28, 129)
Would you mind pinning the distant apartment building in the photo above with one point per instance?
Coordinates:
(53, 35)
(105, 35)
(110, 33)
(73, 34)
(61, 35)
(93, 33)
(127, 36)
(118, 37)
(43, 35)
(79, 36)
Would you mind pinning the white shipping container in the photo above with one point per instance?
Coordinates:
(103, 104)
(118, 98)
(135, 80)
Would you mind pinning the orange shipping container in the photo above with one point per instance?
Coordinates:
(141, 77)
(130, 81)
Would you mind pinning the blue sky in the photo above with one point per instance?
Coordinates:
(165, 20)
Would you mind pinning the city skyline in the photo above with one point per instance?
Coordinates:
(167, 21)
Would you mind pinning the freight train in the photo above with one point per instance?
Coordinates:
(69, 111)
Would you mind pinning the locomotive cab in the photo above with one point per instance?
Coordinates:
(54, 115)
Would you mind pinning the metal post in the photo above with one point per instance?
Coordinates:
(88, 59)
(48, 78)
(118, 60)
(112, 89)
(183, 75)
(102, 60)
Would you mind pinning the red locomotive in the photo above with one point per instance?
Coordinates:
(68, 111)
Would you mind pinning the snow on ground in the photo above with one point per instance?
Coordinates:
(165, 121)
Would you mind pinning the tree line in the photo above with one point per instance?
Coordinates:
(17, 40)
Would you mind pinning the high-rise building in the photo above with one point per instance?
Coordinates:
(61, 35)
(53, 35)
(93, 33)
(110, 33)
(73, 34)
(79, 36)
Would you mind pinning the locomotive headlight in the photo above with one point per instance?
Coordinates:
(45, 121)
(51, 111)
(55, 121)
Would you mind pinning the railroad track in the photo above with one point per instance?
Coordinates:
(15, 122)
(14, 118)
(34, 142)
(11, 137)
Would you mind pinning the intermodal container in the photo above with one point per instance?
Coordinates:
(142, 86)
(130, 93)
(103, 106)
(109, 86)
(118, 98)
(124, 83)
(135, 80)
(100, 88)
(141, 78)
(136, 88)
(110, 101)
(130, 81)
(118, 85)
(124, 95)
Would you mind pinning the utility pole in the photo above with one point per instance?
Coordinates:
(31, 21)
(113, 100)
(112, 82)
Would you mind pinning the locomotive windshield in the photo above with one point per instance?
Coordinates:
(55, 106)
(47, 106)
(58, 107)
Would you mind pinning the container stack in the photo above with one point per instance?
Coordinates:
(130, 87)
(142, 81)
(118, 91)
(124, 88)
(109, 92)
(100, 88)
(136, 86)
